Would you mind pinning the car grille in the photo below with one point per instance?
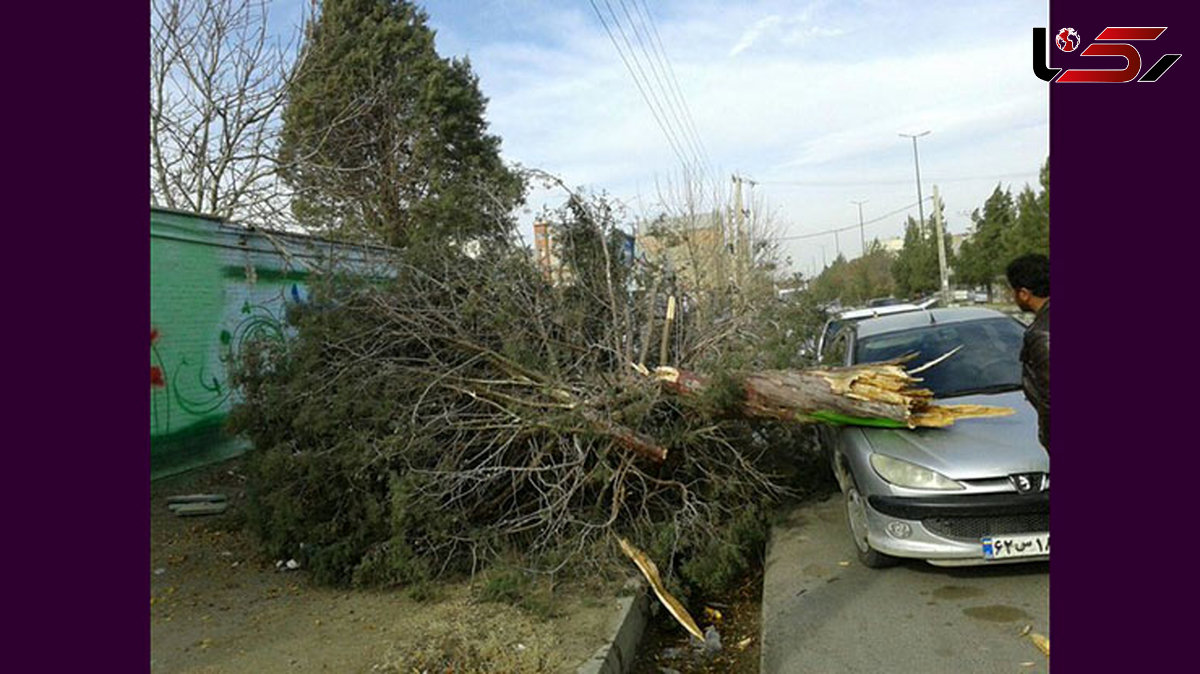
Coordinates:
(974, 528)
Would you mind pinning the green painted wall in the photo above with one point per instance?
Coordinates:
(213, 286)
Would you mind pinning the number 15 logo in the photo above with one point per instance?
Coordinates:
(1133, 59)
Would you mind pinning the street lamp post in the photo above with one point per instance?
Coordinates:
(917, 162)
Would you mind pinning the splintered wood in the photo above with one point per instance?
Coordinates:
(879, 394)
(650, 571)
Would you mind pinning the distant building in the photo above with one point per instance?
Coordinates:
(956, 242)
(553, 269)
(695, 249)
(897, 244)
(543, 249)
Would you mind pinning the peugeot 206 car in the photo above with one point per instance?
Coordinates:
(976, 492)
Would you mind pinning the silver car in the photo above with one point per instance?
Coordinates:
(977, 492)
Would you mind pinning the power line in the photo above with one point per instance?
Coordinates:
(848, 183)
(681, 127)
(854, 226)
(674, 82)
(663, 125)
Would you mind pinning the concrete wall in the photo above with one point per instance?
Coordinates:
(213, 287)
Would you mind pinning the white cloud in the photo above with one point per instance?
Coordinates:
(816, 94)
(754, 32)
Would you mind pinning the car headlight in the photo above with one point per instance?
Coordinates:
(905, 474)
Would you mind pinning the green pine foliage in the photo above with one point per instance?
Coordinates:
(1004, 229)
(858, 280)
(383, 139)
(915, 268)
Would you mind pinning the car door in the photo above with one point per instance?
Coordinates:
(836, 354)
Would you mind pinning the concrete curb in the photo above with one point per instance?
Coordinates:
(616, 657)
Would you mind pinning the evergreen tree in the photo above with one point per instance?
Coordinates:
(916, 269)
(983, 257)
(386, 141)
(1030, 232)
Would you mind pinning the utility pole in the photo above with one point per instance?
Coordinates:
(861, 232)
(751, 228)
(739, 244)
(837, 247)
(917, 162)
(941, 247)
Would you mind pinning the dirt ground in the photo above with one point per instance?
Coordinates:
(215, 606)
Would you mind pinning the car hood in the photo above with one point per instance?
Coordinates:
(971, 448)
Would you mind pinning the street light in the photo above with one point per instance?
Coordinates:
(917, 161)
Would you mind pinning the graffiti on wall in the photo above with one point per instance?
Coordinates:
(193, 384)
(215, 288)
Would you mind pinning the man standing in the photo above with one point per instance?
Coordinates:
(1029, 276)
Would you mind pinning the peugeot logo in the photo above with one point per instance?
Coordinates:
(1030, 482)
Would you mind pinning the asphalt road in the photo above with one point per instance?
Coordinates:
(823, 611)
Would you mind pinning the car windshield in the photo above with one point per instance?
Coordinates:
(989, 361)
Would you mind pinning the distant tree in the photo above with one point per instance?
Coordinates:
(983, 256)
(1044, 181)
(856, 281)
(385, 140)
(1003, 229)
(1030, 232)
(916, 268)
(1031, 228)
(217, 83)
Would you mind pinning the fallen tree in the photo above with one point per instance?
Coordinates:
(882, 395)
(472, 409)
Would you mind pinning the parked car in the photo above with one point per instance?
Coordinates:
(976, 492)
(840, 318)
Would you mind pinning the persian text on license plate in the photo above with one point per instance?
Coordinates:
(1023, 545)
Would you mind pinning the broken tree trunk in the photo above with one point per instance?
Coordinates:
(879, 394)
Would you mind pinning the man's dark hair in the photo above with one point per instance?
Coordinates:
(1031, 272)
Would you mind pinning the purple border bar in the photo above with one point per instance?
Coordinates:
(76, 471)
(1123, 244)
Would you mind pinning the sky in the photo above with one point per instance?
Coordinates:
(807, 99)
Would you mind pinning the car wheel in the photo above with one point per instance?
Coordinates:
(856, 517)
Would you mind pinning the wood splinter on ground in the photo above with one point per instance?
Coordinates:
(650, 571)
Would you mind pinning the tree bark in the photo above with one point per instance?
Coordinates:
(880, 394)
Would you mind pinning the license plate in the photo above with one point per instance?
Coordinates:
(1009, 547)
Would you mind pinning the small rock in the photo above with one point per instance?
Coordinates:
(520, 647)
(292, 565)
(712, 641)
